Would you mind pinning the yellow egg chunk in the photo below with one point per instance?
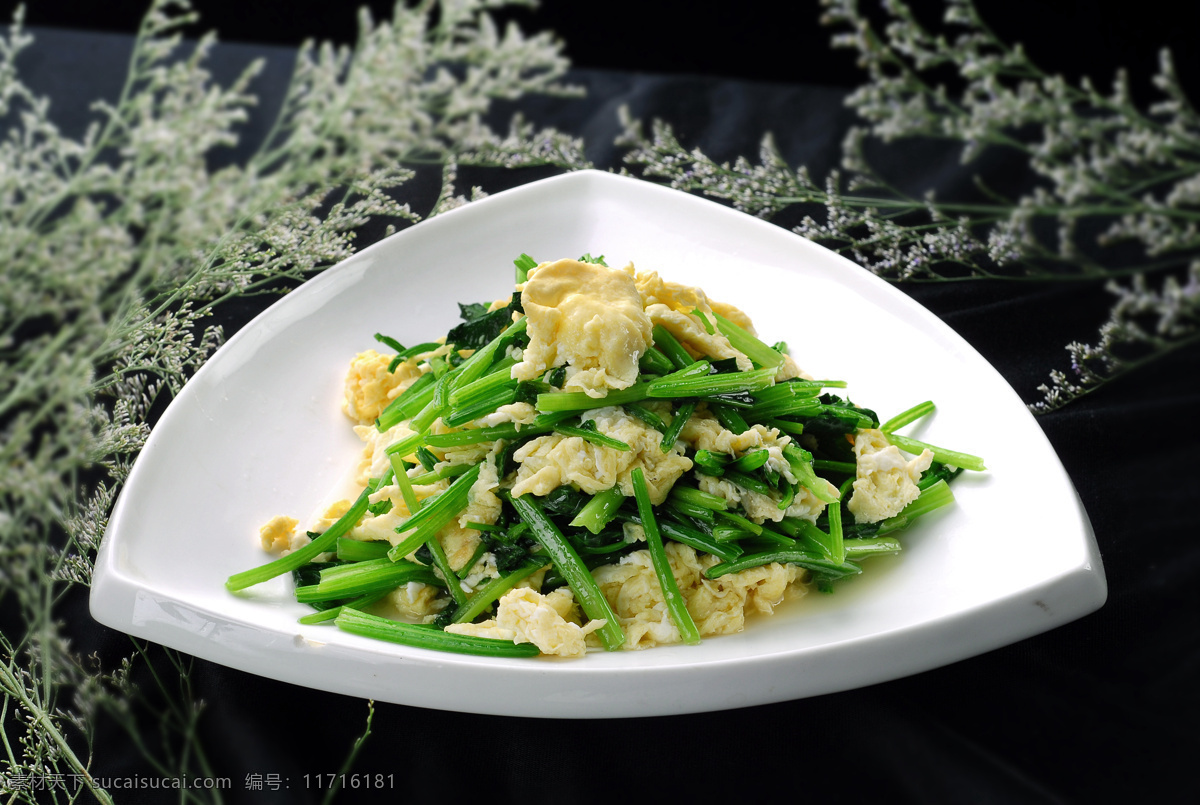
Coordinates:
(548, 462)
(587, 317)
(416, 601)
(277, 535)
(718, 606)
(526, 616)
(370, 386)
(885, 481)
(690, 332)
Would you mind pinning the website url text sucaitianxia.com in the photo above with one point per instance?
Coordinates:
(74, 782)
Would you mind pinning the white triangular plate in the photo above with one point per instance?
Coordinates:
(259, 432)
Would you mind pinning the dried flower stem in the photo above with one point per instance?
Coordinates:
(1094, 163)
(118, 248)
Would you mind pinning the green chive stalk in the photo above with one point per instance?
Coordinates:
(648, 417)
(837, 544)
(800, 460)
(571, 567)
(710, 385)
(440, 474)
(931, 499)
(600, 510)
(710, 463)
(697, 497)
(751, 461)
(442, 563)
(871, 546)
(406, 488)
(810, 560)
(328, 615)
(325, 542)
(729, 418)
(524, 263)
(676, 605)
(475, 366)
(747, 344)
(361, 578)
(491, 592)
(575, 401)
(908, 417)
(357, 550)
(655, 362)
(681, 532)
(670, 346)
(409, 634)
(460, 415)
(408, 403)
(940, 454)
(593, 436)
(497, 375)
(435, 514)
(741, 522)
(748, 482)
(808, 534)
(682, 414)
(540, 425)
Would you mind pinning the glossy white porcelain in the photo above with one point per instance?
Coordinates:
(259, 432)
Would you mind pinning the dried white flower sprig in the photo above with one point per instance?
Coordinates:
(1111, 192)
(118, 246)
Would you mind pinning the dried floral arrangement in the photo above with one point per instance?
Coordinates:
(118, 248)
(1113, 192)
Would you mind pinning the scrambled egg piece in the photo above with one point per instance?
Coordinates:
(548, 462)
(520, 413)
(704, 432)
(416, 601)
(370, 386)
(331, 515)
(585, 316)
(483, 505)
(886, 482)
(788, 370)
(656, 291)
(279, 535)
(718, 606)
(526, 616)
(759, 507)
(685, 298)
(690, 332)
(375, 460)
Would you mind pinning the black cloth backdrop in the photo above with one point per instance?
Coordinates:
(1099, 710)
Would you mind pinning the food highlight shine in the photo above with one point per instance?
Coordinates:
(603, 459)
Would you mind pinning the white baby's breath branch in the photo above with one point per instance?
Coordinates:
(121, 244)
(1093, 162)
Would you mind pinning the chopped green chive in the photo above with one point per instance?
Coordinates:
(907, 417)
(676, 606)
(571, 567)
(600, 510)
(940, 454)
(747, 344)
(409, 634)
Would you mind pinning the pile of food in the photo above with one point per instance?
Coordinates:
(603, 459)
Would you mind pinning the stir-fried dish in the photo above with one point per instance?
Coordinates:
(603, 459)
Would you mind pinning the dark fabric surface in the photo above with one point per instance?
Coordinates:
(1098, 710)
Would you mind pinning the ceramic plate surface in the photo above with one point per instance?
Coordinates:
(259, 432)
